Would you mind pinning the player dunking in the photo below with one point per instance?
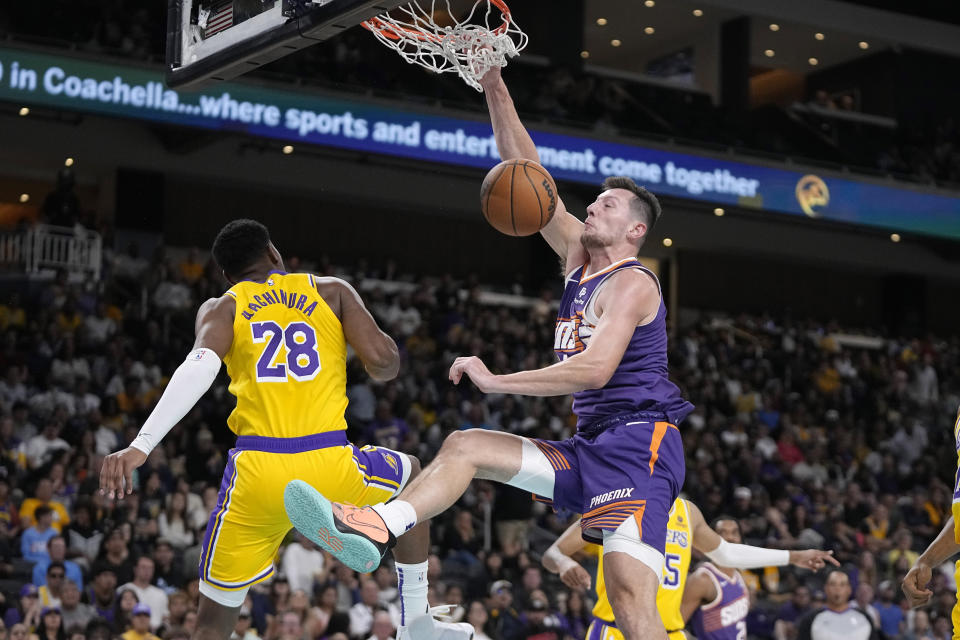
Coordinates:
(283, 337)
(686, 530)
(623, 468)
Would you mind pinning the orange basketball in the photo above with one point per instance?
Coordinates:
(518, 197)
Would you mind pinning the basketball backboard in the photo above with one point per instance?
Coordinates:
(211, 40)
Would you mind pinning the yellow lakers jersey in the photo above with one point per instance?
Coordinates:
(676, 563)
(287, 363)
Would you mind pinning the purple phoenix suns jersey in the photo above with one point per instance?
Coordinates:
(726, 617)
(640, 382)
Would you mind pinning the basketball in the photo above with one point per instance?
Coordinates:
(518, 197)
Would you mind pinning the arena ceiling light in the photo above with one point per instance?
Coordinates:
(719, 212)
(774, 27)
(24, 111)
(697, 13)
(615, 43)
(287, 149)
(864, 45)
(584, 54)
(68, 162)
(895, 237)
(813, 62)
(24, 197)
(769, 53)
(649, 30)
(668, 242)
(649, 3)
(601, 22)
(819, 36)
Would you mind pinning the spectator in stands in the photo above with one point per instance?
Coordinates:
(537, 621)
(799, 605)
(243, 630)
(891, 615)
(577, 617)
(42, 447)
(864, 600)
(115, 556)
(462, 540)
(51, 592)
(329, 620)
(147, 593)
(168, 573)
(386, 430)
(102, 593)
(361, 614)
(904, 542)
(33, 542)
(75, 613)
(173, 525)
(9, 519)
(57, 552)
(140, 624)
(98, 327)
(191, 268)
(51, 624)
(478, 618)
(83, 535)
(505, 623)
(302, 564)
(19, 631)
(26, 609)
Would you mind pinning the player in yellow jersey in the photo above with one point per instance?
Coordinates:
(283, 337)
(945, 546)
(686, 530)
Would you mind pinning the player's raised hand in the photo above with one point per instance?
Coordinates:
(576, 577)
(116, 474)
(813, 559)
(915, 585)
(473, 367)
(491, 78)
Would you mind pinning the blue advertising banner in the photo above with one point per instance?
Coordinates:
(29, 77)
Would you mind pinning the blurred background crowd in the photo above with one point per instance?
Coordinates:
(810, 434)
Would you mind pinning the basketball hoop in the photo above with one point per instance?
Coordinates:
(466, 48)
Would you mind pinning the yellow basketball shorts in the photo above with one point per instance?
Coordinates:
(249, 522)
(603, 630)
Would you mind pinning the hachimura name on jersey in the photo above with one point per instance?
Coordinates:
(283, 331)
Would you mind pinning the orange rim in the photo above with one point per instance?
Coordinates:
(395, 32)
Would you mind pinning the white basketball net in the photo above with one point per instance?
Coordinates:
(466, 48)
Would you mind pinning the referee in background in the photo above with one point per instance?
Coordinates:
(838, 620)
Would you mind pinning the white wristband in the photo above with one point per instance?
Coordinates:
(187, 385)
(743, 556)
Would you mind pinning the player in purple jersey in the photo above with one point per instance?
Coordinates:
(623, 468)
(717, 597)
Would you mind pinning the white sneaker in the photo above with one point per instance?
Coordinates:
(427, 627)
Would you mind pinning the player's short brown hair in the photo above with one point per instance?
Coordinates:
(645, 204)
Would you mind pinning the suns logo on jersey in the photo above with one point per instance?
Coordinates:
(812, 192)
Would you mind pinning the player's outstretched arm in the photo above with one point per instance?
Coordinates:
(699, 590)
(563, 231)
(629, 299)
(558, 558)
(376, 349)
(214, 328)
(940, 550)
(745, 556)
